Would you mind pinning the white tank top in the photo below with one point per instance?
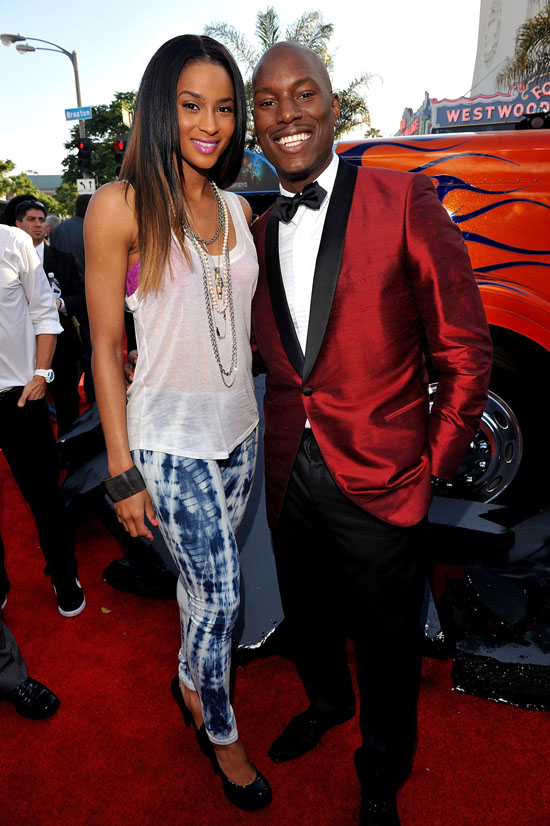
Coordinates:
(178, 402)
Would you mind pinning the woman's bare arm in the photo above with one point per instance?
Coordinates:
(110, 233)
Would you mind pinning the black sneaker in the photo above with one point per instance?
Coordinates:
(70, 597)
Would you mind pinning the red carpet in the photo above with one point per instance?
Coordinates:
(117, 753)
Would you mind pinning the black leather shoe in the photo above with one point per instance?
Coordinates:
(33, 700)
(379, 812)
(304, 732)
(251, 797)
(141, 577)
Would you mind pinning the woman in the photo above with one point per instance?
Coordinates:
(166, 240)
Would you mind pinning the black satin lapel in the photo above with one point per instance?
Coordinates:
(329, 260)
(278, 296)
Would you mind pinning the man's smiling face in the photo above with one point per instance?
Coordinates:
(294, 113)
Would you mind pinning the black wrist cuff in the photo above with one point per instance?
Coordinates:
(124, 485)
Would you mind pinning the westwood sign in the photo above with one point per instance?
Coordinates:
(507, 107)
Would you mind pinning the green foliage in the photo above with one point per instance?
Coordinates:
(104, 127)
(267, 28)
(21, 184)
(532, 53)
(309, 30)
(353, 106)
(66, 196)
(11, 185)
(52, 204)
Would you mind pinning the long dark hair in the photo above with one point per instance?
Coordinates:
(155, 143)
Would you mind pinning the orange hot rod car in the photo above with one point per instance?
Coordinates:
(496, 188)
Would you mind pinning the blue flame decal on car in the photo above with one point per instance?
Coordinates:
(445, 184)
(437, 161)
(352, 152)
(506, 264)
(450, 183)
(459, 219)
(482, 239)
(502, 286)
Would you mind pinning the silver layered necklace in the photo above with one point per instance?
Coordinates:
(216, 280)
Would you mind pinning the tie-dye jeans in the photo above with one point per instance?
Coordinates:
(199, 505)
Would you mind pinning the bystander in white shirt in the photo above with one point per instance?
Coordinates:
(27, 307)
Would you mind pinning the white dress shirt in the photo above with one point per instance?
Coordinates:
(298, 248)
(27, 307)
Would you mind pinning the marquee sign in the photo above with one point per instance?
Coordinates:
(507, 107)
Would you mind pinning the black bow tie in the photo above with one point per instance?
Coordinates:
(312, 197)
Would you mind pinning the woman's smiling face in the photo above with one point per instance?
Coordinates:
(206, 113)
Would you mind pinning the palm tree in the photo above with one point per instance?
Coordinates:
(309, 30)
(532, 53)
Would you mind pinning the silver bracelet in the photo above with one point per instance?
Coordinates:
(124, 485)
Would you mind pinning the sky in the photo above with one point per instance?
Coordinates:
(409, 46)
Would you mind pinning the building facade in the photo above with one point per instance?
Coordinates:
(487, 108)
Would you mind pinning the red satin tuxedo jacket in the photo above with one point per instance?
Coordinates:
(390, 263)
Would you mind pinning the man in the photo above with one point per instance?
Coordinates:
(28, 332)
(52, 221)
(347, 285)
(69, 237)
(68, 286)
(29, 697)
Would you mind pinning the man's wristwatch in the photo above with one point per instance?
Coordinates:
(46, 374)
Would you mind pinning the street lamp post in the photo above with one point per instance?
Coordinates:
(22, 48)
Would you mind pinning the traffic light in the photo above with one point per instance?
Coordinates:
(84, 158)
(119, 145)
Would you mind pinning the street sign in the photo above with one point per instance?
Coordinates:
(79, 113)
(127, 116)
(85, 186)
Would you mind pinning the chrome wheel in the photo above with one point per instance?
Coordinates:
(494, 456)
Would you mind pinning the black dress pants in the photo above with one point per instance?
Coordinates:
(67, 368)
(342, 572)
(13, 670)
(27, 439)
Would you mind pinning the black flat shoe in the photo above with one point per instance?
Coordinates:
(33, 700)
(304, 732)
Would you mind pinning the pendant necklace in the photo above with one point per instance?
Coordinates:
(217, 286)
